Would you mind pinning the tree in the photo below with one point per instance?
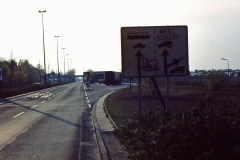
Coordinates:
(216, 79)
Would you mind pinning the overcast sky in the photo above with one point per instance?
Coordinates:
(90, 30)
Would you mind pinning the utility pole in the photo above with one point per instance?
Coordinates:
(45, 76)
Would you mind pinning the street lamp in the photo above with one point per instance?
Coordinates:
(68, 67)
(227, 64)
(57, 59)
(64, 61)
(67, 61)
(45, 76)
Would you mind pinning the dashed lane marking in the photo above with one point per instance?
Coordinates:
(43, 101)
(89, 105)
(18, 115)
(34, 106)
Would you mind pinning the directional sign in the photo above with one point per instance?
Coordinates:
(154, 51)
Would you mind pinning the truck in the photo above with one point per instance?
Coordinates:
(106, 77)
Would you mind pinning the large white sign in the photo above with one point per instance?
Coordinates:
(154, 51)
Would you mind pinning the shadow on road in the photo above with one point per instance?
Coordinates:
(47, 114)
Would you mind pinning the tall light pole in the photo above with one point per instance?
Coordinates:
(227, 64)
(67, 61)
(57, 59)
(64, 61)
(45, 76)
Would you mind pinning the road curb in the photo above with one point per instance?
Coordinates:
(101, 145)
(106, 111)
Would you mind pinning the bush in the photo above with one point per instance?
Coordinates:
(216, 79)
(201, 133)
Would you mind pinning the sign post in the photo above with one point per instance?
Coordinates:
(1, 74)
(1, 78)
(158, 51)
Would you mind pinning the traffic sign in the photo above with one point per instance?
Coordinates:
(154, 51)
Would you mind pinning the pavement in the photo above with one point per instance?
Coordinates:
(109, 146)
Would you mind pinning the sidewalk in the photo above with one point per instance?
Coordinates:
(109, 146)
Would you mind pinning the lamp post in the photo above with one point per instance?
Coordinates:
(67, 61)
(57, 59)
(227, 64)
(64, 61)
(68, 67)
(45, 76)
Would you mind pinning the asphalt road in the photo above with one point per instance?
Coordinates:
(54, 123)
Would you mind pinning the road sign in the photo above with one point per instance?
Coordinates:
(154, 51)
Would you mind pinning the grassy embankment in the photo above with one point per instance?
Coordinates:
(122, 104)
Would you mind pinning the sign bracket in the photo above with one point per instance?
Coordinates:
(158, 92)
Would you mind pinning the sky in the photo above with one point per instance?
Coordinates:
(90, 30)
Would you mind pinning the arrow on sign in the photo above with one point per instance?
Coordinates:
(139, 55)
(165, 54)
(175, 62)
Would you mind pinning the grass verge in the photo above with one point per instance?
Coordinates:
(122, 104)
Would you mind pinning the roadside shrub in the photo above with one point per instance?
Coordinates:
(216, 79)
(204, 132)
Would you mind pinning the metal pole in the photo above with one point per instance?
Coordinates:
(139, 96)
(68, 67)
(167, 94)
(228, 67)
(64, 61)
(57, 59)
(45, 76)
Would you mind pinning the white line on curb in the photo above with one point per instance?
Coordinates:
(18, 115)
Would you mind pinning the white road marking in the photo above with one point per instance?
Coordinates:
(88, 101)
(18, 115)
(49, 98)
(89, 105)
(43, 101)
(86, 97)
(34, 106)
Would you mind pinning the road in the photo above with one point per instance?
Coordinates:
(54, 123)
